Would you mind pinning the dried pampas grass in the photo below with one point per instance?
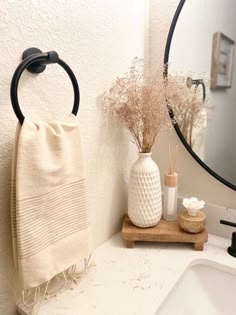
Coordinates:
(138, 101)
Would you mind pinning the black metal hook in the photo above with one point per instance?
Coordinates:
(190, 82)
(35, 61)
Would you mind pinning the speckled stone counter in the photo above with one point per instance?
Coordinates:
(133, 281)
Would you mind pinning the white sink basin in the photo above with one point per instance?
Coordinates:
(205, 288)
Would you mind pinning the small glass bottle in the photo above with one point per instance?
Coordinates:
(170, 197)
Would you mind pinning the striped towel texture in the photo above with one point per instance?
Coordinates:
(50, 221)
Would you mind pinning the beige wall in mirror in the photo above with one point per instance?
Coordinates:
(193, 178)
(213, 130)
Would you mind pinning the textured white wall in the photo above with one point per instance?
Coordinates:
(99, 40)
(194, 180)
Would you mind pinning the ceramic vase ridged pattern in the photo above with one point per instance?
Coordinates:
(144, 194)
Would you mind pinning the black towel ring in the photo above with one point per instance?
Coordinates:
(34, 60)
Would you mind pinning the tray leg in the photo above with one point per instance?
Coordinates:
(130, 244)
(198, 246)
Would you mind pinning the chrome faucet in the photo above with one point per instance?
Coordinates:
(232, 248)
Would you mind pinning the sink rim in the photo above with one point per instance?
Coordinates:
(211, 263)
(195, 262)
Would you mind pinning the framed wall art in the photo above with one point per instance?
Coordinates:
(222, 61)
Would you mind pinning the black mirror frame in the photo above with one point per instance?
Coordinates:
(178, 131)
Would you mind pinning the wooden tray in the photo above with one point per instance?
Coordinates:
(163, 232)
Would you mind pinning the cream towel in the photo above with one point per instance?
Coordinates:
(50, 222)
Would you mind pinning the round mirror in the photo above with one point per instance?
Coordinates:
(200, 47)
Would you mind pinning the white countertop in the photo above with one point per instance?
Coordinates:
(133, 281)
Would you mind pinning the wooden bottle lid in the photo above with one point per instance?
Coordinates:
(171, 180)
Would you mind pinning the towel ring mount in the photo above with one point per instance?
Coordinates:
(35, 61)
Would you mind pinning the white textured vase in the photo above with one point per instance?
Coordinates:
(144, 195)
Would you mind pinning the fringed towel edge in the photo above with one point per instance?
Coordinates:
(33, 298)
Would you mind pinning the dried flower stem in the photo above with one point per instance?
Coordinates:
(139, 102)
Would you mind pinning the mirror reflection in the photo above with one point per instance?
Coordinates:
(202, 50)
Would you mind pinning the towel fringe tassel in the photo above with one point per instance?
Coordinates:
(33, 298)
